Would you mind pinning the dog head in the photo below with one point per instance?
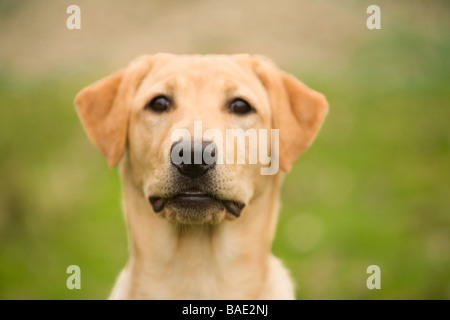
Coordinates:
(169, 118)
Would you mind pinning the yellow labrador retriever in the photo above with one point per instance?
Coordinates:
(200, 229)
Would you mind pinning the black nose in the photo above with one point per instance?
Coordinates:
(193, 158)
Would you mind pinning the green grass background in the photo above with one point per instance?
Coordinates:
(373, 188)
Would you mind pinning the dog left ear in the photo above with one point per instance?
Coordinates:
(298, 111)
(103, 108)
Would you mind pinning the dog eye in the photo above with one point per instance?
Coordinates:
(240, 106)
(159, 104)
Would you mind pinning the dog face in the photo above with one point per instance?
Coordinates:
(166, 107)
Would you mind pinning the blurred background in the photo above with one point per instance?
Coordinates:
(372, 190)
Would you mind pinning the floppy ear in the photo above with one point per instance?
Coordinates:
(103, 108)
(298, 111)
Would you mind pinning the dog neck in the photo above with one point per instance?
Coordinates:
(178, 261)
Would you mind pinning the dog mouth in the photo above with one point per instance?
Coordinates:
(195, 199)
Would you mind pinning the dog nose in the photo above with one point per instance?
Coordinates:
(193, 158)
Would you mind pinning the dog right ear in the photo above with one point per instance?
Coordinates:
(297, 110)
(103, 108)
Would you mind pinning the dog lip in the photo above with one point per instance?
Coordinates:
(157, 203)
(233, 207)
(193, 193)
(195, 196)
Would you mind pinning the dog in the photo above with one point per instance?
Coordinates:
(197, 229)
